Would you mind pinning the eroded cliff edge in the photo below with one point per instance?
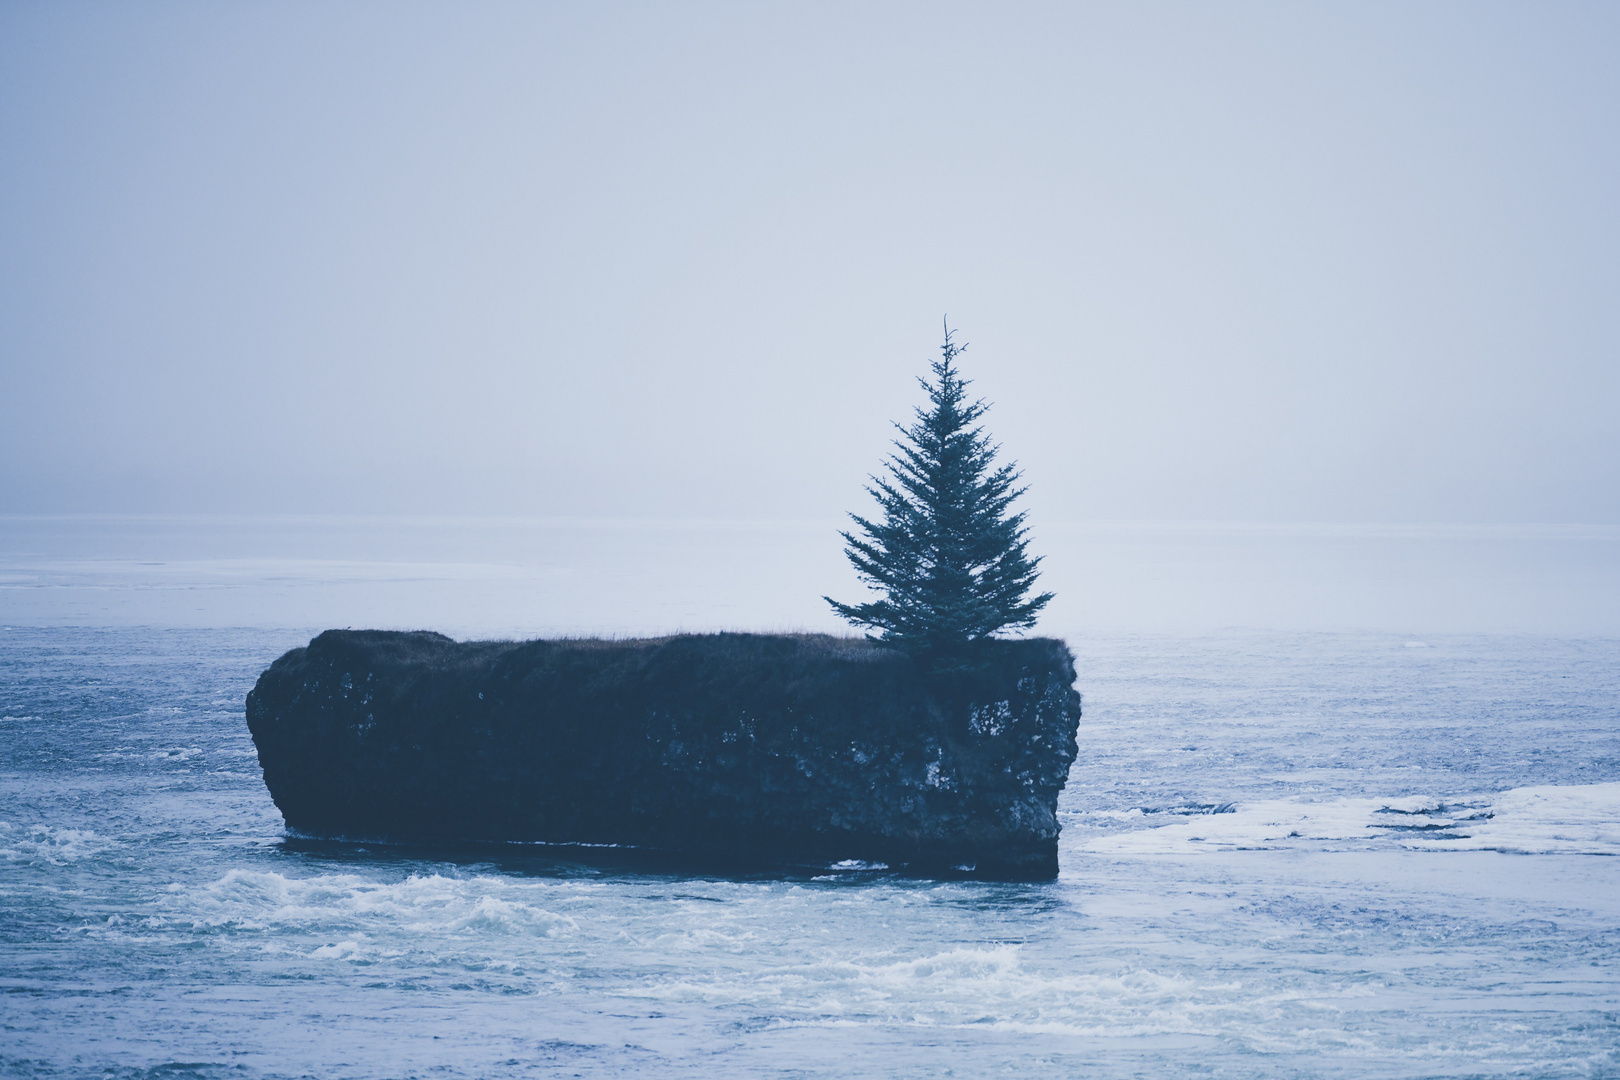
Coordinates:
(747, 748)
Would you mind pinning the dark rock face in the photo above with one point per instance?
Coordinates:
(747, 748)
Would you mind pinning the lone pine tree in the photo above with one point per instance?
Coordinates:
(949, 557)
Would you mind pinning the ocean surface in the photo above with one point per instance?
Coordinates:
(1287, 852)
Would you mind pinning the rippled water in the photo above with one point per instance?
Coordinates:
(1283, 855)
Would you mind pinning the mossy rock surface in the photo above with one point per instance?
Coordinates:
(750, 749)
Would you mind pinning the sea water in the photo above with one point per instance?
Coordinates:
(1285, 853)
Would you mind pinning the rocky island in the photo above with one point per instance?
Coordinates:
(940, 747)
(744, 749)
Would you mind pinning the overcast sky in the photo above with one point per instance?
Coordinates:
(1253, 262)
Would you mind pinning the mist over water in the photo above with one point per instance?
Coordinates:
(1258, 263)
(500, 577)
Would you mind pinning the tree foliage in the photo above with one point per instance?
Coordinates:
(949, 556)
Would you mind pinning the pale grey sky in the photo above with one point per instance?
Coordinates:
(1264, 262)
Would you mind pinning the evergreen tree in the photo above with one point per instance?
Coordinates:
(948, 555)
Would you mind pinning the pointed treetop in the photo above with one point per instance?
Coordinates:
(949, 555)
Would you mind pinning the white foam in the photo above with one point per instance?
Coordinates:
(47, 844)
(1576, 819)
(1581, 819)
(342, 950)
(176, 753)
(1008, 988)
(432, 904)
